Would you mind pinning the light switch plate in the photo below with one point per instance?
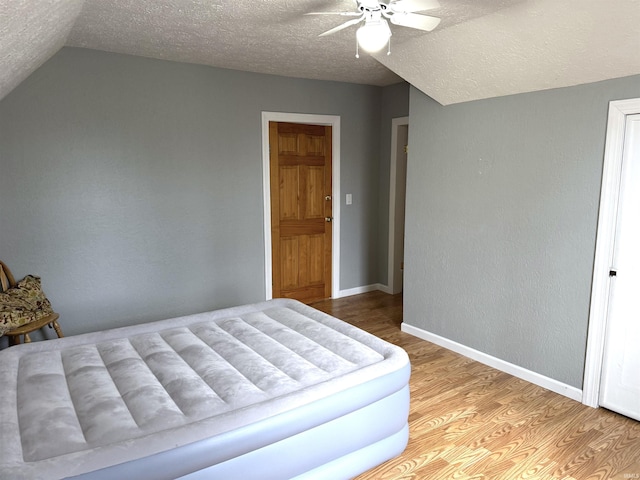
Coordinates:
(349, 199)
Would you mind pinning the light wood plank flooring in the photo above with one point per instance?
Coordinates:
(470, 421)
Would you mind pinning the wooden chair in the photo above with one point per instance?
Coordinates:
(7, 281)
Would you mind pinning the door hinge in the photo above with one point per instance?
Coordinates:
(612, 273)
(406, 149)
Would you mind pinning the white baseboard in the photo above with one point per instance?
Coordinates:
(520, 372)
(364, 289)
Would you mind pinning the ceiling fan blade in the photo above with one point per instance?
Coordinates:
(341, 27)
(413, 5)
(344, 14)
(413, 20)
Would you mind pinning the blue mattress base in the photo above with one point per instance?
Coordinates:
(340, 449)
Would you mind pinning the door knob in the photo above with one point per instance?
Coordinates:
(328, 219)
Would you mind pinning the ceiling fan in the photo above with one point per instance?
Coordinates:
(375, 33)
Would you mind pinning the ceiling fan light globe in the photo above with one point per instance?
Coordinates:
(373, 36)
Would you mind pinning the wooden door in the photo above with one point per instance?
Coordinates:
(620, 383)
(301, 233)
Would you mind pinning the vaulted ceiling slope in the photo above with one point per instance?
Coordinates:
(30, 33)
(482, 48)
(530, 46)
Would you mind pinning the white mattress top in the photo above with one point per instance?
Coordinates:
(140, 390)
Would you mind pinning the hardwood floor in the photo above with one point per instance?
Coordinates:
(469, 421)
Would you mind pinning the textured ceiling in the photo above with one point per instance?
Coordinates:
(30, 33)
(482, 48)
(271, 36)
(530, 46)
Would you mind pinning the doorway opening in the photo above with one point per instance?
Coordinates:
(397, 200)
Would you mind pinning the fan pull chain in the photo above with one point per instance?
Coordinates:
(389, 47)
(357, 51)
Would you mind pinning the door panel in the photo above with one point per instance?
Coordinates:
(620, 383)
(289, 258)
(287, 143)
(316, 145)
(315, 205)
(289, 193)
(300, 170)
(316, 256)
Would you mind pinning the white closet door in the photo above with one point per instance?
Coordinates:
(620, 382)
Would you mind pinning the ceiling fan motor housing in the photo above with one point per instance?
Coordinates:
(370, 5)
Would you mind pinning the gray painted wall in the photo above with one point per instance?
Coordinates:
(134, 186)
(502, 207)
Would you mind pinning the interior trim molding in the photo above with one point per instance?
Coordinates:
(605, 238)
(364, 289)
(314, 119)
(502, 365)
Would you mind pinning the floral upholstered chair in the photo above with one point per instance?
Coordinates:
(24, 308)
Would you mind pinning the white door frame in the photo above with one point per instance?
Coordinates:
(393, 172)
(334, 122)
(607, 216)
